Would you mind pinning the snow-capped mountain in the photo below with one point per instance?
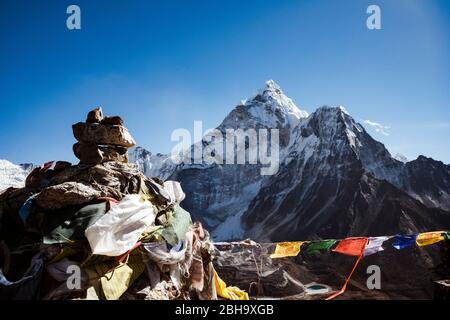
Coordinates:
(400, 157)
(334, 179)
(12, 175)
(337, 182)
(152, 165)
(428, 181)
(219, 194)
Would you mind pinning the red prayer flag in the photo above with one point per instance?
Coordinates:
(351, 246)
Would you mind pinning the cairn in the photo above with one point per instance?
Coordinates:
(101, 139)
(126, 232)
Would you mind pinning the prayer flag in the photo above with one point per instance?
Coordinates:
(287, 249)
(427, 238)
(375, 245)
(319, 246)
(351, 246)
(404, 241)
(230, 293)
(447, 235)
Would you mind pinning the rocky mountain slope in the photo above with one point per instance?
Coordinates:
(219, 193)
(12, 175)
(153, 165)
(334, 179)
(341, 183)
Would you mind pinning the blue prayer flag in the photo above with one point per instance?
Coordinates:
(404, 241)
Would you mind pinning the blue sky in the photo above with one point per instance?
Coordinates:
(163, 64)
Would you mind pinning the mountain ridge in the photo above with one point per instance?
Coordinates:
(326, 158)
(223, 196)
(13, 175)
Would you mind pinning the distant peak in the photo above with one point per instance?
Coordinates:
(423, 158)
(272, 86)
(270, 89)
(272, 96)
(342, 108)
(268, 107)
(400, 157)
(326, 109)
(7, 164)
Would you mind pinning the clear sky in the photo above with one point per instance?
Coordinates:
(163, 64)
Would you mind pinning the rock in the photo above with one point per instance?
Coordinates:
(12, 199)
(61, 165)
(113, 154)
(65, 195)
(111, 178)
(118, 149)
(12, 229)
(115, 120)
(38, 178)
(88, 153)
(240, 263)
(103, 134)
(441, 290)
(95, 116)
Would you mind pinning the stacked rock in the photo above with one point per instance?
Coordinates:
(101, 139)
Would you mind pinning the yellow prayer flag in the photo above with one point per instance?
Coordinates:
(427, 238)
(287, 249)
(230, 293)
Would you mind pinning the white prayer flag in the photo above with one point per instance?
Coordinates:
(375, 245)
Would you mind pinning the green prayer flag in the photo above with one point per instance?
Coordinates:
(317, 247)
(68, 224)
(175, 230)
(447, 235)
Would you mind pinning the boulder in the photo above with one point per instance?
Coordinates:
(113, 154)
(12, 199)
(88, 153)
(61, 165)
(111, 178)
(120, 150)
(65, 195)
(103, 134)
(38, 178)
(115, 120)
(95, 116)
